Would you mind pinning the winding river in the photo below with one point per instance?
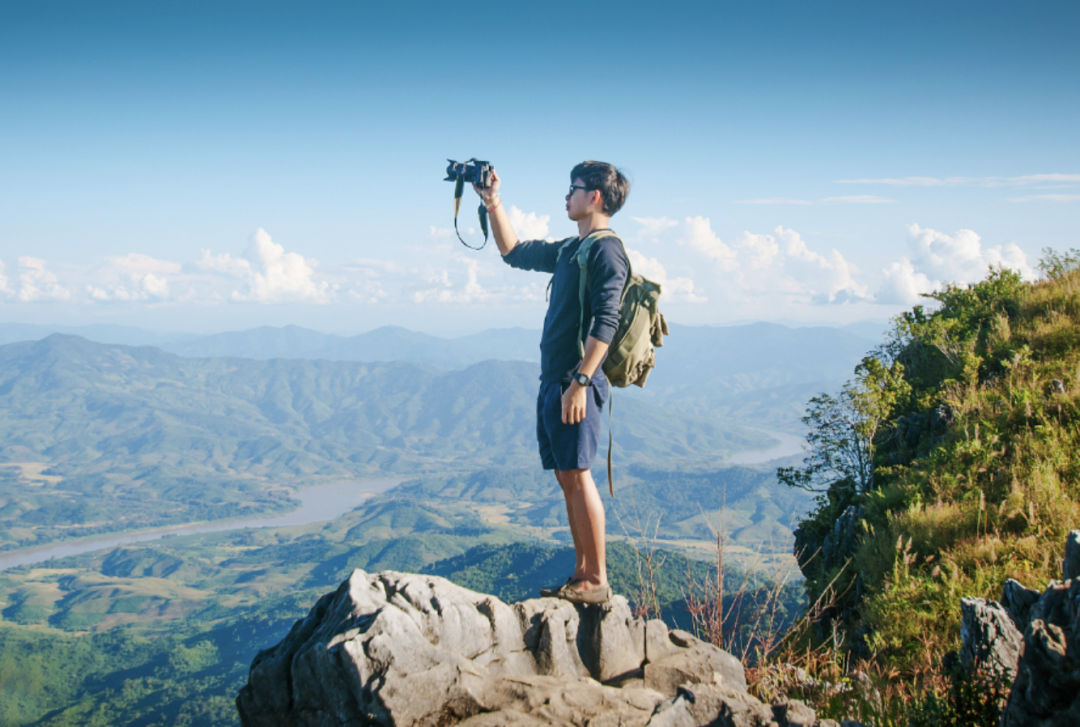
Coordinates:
(789, 444)
(317, 504)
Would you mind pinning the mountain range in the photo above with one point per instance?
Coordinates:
(759, 373)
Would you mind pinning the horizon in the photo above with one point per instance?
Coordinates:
(792, 325)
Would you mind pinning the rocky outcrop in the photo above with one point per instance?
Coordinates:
(989, 638)
(406, 650)
(1017, 601)
(1046, 692)
(1070, 567)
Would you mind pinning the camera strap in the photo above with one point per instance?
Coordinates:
(459, 189)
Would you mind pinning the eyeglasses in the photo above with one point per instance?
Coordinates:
(577, 186)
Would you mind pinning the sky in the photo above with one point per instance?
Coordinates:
(210, 166)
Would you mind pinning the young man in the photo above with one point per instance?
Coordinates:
(572, 387)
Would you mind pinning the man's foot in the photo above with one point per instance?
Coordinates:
(575, 592)
(553, 591)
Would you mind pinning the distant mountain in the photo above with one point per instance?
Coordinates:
(389, 343)
(761, 373)
(137, 436)
(100, 332)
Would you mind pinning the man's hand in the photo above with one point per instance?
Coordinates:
(573, 403)
(489, 194)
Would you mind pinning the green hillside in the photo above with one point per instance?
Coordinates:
(680, 507)
(97, 437)
(970, 416)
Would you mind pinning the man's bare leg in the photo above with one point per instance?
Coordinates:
(586, 512)
(579, 566)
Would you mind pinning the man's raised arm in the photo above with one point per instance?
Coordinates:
(497, 217)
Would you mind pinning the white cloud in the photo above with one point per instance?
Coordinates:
(4, 281)
(783, 261)
(853, 199)
(1022, 181)
(271, 274)
(144, 276)
(37, 284)
(700, 236)
(902, 284)
(678, 289)
(1047, 198)
(653, 226)
(529, 226)
(938, 258)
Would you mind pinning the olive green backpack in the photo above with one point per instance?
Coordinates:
(632, 353)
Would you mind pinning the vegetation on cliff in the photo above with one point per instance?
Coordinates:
(947, 466)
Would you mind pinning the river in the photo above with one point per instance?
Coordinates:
(789, 444)
(317, 504)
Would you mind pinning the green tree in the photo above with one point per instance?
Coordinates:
(843, 429)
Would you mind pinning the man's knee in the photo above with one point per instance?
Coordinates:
(573, 479)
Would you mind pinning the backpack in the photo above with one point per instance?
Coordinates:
(632, 354)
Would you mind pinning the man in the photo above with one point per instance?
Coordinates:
(572, 387)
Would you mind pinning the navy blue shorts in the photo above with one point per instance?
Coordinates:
(569, 446)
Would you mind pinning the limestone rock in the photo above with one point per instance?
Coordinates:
(697, 705)
(1070, 568)
(404, 650)
(1046, 692)
(990, 639)
(693, 662)
(1017, 602)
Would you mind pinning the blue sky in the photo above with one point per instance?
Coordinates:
(214, 166)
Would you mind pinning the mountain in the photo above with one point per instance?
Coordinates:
(103, 437)
(389, 343)
(761, 373)
(100, 332)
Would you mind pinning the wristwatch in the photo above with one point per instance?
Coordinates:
(582, 379)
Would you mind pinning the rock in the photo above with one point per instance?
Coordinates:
(614, 641)
(697, 705)
(1017, 602)
(694, 662)
(657, 642)
(1070, 568)
(403, 650)
(1046, 692)
(793, 713)
(989, 637)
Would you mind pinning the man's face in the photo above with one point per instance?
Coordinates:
(578, 201)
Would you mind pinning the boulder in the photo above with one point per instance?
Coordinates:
(989, 637)
(697, 705)
(1017, 601)
(692, 662)
(1070, 567)
(405, 650)
(1046, 692)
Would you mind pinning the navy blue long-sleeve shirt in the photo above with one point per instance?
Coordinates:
(608, 268)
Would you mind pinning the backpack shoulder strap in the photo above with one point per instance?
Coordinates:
(582, 258)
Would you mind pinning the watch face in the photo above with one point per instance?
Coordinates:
(582, 379)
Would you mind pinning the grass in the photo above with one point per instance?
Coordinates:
(976, 481)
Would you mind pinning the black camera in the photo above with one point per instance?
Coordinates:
(473, 171)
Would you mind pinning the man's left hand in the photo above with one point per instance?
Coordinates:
(573, 403)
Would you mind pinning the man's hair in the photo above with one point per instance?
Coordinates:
(612, 184)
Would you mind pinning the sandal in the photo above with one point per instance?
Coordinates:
(572, 592)
(553, 591)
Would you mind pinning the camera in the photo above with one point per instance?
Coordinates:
(473, 171)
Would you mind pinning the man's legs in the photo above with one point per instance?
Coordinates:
(585, 511)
